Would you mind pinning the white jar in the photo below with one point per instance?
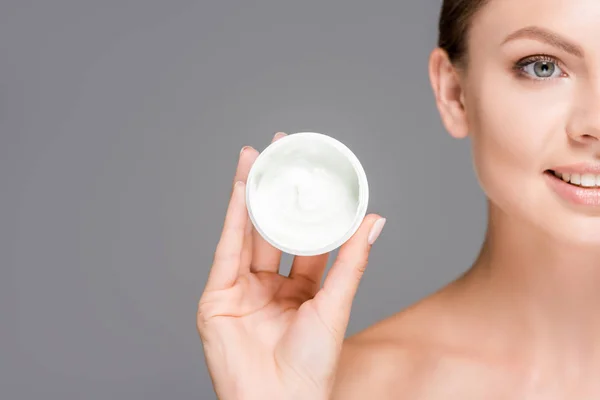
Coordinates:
(307, 194)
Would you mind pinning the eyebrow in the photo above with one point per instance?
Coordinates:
(546, 36)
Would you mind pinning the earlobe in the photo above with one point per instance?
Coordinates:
(449, 94)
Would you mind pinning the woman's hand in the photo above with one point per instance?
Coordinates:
(272, 337)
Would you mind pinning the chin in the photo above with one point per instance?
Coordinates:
(569, 222)
(563, 227)
(575, 229)
(531, 215)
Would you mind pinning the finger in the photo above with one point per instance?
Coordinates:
(246, 258)
(334, 301)
(247, 157)
(310, 268)
(224, 271)
(265, 257)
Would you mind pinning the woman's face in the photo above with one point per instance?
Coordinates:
(532, 104)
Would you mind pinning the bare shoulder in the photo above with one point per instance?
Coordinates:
(380, 362)
(415, 353)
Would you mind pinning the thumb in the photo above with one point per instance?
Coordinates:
(334, 300)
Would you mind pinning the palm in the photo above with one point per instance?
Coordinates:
(268, 317)
(258, 303)
(265, 299)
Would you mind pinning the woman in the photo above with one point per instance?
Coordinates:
(521, 78)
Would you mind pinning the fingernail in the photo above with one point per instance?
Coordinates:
(239, 184)
(244, 148)
(279, 134)
(376, 230)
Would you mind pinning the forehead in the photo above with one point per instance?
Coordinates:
(576, 20)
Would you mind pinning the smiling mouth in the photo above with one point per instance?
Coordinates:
(589, 181)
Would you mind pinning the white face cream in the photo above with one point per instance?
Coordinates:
(307, 194)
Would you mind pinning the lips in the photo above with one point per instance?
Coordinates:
(570, 187)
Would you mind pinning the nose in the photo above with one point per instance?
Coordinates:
(584, 122)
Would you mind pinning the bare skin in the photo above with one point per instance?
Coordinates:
(522, 323)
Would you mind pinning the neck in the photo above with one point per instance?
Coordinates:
(543, 294)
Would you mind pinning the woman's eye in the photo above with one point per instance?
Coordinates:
(543, 69)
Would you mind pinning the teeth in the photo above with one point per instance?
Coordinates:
(585, 180)
(588, 180)
(576, 179)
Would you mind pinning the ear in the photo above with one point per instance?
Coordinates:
(449, 94)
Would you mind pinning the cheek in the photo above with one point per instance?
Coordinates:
(513, 127)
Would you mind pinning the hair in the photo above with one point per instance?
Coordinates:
(454, 25)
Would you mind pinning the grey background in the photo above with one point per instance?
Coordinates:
(121, 123)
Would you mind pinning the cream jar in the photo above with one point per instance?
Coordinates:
(307, 194)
